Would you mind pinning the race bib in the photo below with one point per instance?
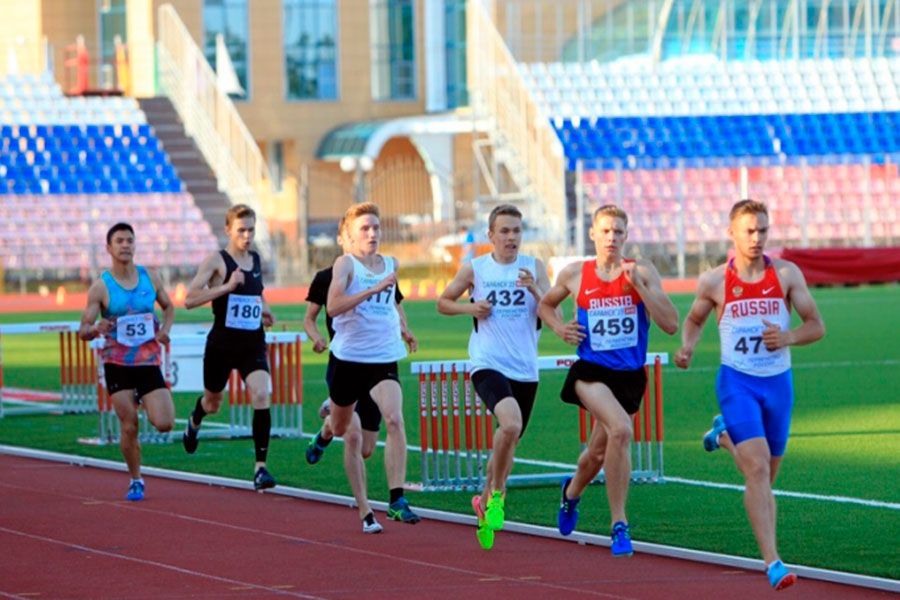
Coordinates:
(244, 312)
(134, 330)
(613, 328)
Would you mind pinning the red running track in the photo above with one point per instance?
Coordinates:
(65, 532)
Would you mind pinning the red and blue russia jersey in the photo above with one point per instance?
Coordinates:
(615, 320)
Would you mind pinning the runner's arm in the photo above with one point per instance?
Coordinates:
(448, 303)
(339, 301)
(199, 292)
(813, 327)
(548, 308)
(88, 330)
(693, 323)
(648, 284)
(168, 308)
(311, 326)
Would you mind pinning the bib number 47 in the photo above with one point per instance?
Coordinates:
(743, 344)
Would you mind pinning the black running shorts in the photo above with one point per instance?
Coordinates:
(218, 362)
(368, 411)
(352, 381)
(627, 386)
(142, 380)
(493, 386)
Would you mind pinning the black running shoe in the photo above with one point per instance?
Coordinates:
(189, 438)
(263, 480)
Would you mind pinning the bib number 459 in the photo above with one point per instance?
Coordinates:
(614, 326)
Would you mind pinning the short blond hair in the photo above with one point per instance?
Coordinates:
(358, 210)
(239, 211)
(610, 210)
(747, 207)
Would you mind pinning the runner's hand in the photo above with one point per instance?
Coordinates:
(526, 279)
(774, 337)
(104, 326)
(572, 332)
(385, 283)
(482, 309)
(410, 340)
(683, 358)
(319, 345)
(268, 318)
(162, 336)
(236, 279)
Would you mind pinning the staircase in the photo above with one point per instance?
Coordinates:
(192, 168)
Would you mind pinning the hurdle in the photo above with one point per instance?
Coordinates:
(77, 373)
(456, 429)
(286, 389)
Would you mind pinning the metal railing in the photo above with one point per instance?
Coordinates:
(499, 93)
(211, 119)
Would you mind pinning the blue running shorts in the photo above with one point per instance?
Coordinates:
(756, 406)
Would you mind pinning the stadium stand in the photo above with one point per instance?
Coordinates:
(70, 167)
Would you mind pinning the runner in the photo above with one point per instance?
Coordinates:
(615, 299)
(505, 288)
(232, 280)
(124, 297)
(368, 342)
(752, 296)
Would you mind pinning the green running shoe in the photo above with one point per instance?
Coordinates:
(483, 533)
(495, 514)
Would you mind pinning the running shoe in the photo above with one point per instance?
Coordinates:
(567, 518)
(315, 450)
(400, 511)
(779, 576)
(189, 438)
(135, 491)
(484, 534)
(711, 437)
(621, 539)
(495, 514)
(371, 525)
(263, 480)
(325, 408)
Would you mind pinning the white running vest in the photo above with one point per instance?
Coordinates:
(369, 332)
(506, 341)
(741, 324)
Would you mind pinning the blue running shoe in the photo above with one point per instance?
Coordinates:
(567, 518)
(400, 511)
(135, 490)
(314, 450)
(779, 576)
(263, 480)
(621, 539)
(711, 437)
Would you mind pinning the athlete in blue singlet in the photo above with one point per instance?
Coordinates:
(615, 299)
(752, 296)
(124, 297)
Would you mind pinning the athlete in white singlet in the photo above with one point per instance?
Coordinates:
(504, 288)
(368, 341)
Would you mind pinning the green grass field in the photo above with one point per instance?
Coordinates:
(845, 437)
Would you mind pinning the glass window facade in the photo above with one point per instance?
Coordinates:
(310, 49)
(455, 40)
(393, 39)
(229, 18)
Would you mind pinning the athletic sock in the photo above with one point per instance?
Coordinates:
(369, 519)
(139, 480)
(396, 494)
(198, 413)
(262, 424)
(321, 442)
